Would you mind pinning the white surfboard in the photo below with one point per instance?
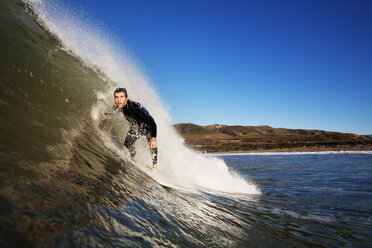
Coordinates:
(159, 177)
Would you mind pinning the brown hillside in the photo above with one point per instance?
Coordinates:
(223, 138)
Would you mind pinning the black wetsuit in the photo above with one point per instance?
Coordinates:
(142, 124)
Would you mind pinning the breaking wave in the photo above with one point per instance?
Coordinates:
(65, 180)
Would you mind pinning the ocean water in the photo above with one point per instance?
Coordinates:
(308, 199)
(68, 182)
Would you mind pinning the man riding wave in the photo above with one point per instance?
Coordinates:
(142, 124)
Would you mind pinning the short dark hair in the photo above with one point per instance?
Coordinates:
(121, 90)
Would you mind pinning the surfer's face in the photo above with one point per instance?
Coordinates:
(120, 99)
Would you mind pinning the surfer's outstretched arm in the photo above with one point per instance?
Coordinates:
(96, 117)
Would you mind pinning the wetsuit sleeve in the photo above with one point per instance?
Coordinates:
(145, 116)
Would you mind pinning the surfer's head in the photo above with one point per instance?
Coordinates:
(121, 97)
(124, 90)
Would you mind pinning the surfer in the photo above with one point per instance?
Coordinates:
(142, 124)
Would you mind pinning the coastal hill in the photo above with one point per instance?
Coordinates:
(223, 138)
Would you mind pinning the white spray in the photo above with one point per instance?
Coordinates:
(182, 165)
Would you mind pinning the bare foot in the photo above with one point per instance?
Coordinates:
(154, 168)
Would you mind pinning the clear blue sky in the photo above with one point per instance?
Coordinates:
(292, 64)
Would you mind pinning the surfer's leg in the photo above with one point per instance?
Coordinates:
(154, 155)
(154, 151)
(131, 138)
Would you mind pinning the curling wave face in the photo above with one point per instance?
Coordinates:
(64, 180)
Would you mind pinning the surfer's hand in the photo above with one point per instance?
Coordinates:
(95, 120)
(153, 143)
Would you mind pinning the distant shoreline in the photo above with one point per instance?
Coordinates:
(290, 152)
(298, 150)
